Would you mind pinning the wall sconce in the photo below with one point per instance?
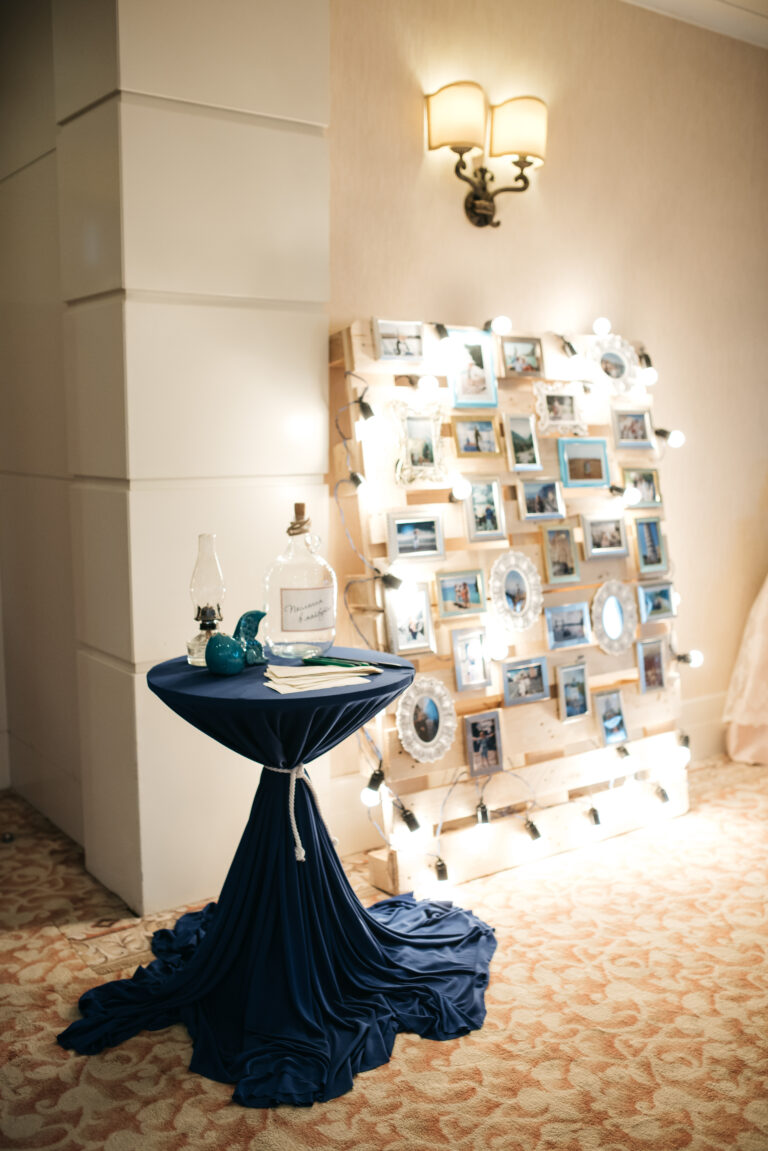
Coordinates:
(457, 118)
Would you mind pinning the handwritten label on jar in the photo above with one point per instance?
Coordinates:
(307, 608)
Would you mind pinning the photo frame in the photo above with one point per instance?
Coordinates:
(420, 455)
(560, 408)
(632, 428)
(522, 445)
(617, 360)
(482, 737)
(521, 357)
(604, 536)
(473, 382)
(614, 617)
(460, 593)
(567, 625)
(426, 719)
(561, 557)
(651, 547)
(398, 341)
(515, 590)
(583, 462)
(540, 499)
(646, 480)
(484, 509)
(476, 436)
(525, 681)
(409, 619)
(471, 661)
(656, 601)
(572, 692)
(609, 713)
(414, 535)
(651, 665)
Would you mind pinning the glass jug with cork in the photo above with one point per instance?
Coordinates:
(300, 594)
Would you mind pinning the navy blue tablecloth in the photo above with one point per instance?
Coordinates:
(287, 985)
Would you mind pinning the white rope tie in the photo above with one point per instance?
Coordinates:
(298, 773)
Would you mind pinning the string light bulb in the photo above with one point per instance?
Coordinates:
(409, 819)
(501, 326)
(532, 829)
(622, 751)
(602, 326)
(674, 438)
(370, 794)
(662, 794)
(482, 814)
(594, 815)
(460, 490)
(648, 376)
(694, 657)
(428, 385)
(441, 870)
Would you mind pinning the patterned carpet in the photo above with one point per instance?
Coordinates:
(627, 1009)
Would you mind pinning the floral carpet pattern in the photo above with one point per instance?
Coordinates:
(627, 1007)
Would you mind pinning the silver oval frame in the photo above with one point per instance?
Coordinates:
(625, 595)
(516, 561)
(421, 750)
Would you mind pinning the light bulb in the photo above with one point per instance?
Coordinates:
(601, 326)
(501, 325)
(677, 599)
(428, 385)
(676, 438)
(632, 496)
(497, 646)
(696, 657)
(683, 756)
(461, 489)
(370, 797)
(648, 377)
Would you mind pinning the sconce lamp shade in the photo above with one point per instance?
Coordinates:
(456, 116)
(519, 129)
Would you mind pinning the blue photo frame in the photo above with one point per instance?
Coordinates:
(473, 382)
(525, 681)
(568, 625)
(583, 462)
(656, 601)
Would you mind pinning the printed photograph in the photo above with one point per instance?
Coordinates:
(633, 429)
(522, 356)
(610, 716)
(604, 536)
(541, 499)
(583, 462)
(470, 658)
(485, 511)
(460, 593)
(515, 591)
(655, 601)
(522, 444)
(475, 437)
(572, 692)
(651, 552)
(473, 382)
(567, 625)
(397, 339)
(646, 480)
(409, 619)
(426, 718)
(561, 408)
(525, 681)
(613, 364)
(650, 665)
(420, 442)
(483, 739)
(414, 537)
(560, 555)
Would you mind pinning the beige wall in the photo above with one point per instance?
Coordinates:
(651, 209)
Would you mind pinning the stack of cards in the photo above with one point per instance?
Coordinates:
(287, 680)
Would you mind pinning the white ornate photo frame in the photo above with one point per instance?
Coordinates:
(614, 603)
(560, 408)
(420, 450)
(505, 597)
(617, 361)
(415, 713)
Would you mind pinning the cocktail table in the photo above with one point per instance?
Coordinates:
(287, 985)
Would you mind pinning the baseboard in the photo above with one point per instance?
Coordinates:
(702, 720)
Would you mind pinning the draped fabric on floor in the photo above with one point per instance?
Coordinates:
(288, 986)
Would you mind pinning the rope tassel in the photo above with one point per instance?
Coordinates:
(297, 773)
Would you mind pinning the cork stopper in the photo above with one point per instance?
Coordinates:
(301, 521)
